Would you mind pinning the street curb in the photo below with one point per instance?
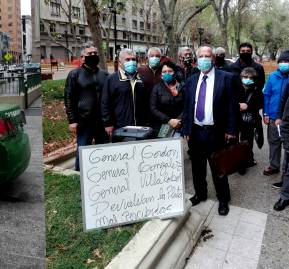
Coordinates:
(61, 170)
(164, 243)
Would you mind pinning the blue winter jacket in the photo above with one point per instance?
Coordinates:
(272, 93)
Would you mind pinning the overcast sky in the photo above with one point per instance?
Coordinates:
(25, 7)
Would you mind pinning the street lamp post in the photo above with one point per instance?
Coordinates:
(200, 31)
(113, 9)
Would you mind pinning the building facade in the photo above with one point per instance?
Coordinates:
(124, 25)
(4, 44)
(26, 38)
(10, 22)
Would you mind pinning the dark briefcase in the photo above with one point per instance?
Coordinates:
(229, 160)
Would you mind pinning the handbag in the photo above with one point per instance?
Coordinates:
(247, 116)
(230, 159)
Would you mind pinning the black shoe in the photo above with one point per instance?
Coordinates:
(281, 204)
(268, 171)
(251, 163)
(277, 185)
(242, 171)
(196, 199)
(223, 209)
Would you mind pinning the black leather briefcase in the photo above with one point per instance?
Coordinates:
(229, 160)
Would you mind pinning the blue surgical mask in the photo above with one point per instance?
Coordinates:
(130, 67)
(283, 67)
(247, 81)
(204, 63)
(154, 61)
(167, 77)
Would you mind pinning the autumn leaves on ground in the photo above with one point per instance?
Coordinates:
(55, 126)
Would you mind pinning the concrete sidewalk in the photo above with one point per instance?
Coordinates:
(253, 235)
(22, 219)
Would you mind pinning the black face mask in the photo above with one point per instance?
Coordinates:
(187, 61)
(246, 57)
(91, 61)
(219, 61)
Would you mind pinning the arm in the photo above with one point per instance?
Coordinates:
(70, 101)
(105, 106)
(233, 107)
(267, 93)
(283, 100)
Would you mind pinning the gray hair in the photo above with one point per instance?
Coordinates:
(249, 71)
(154, 49)
(182, 49)
(87, 45)
(125, 51)
(219, 50)
(204, 46)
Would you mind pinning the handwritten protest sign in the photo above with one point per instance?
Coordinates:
(128, 182)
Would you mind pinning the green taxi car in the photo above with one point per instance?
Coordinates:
(14, 143)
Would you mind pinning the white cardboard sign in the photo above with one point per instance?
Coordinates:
(128, 182)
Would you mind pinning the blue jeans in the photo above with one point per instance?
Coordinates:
(86, 134)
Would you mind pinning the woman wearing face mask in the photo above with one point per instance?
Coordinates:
(249, 109)
(166, 102)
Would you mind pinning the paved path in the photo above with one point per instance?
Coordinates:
(22, 223)
(253, 235)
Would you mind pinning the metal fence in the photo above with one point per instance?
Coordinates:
(15, 84)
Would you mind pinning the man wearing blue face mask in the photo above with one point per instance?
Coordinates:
(150, 73)
(124, 100)
(209, 119)
(273, 90)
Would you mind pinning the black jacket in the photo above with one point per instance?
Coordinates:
(237, 68)
(121, 105)
(83, 88)
(164, 106)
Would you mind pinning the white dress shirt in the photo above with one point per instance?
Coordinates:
(208, 119)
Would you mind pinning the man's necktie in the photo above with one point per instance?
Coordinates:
(200, 112)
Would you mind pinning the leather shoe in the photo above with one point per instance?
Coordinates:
(270, 171)
(196, 199)
(281, 204)
(223, 209)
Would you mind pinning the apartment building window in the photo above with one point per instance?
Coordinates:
(134, 36)
(10, 24)
(141, 37)
(42, 28)
(55, 8)
(124, 35)
(81, 30)
(154, 39)
(141, 12)
(76, 12)
(52, 28)
(123, 21)
(134, 10)
(104, 18)
(148, 38)
(141, 25)
(134, 24)
(148, 26)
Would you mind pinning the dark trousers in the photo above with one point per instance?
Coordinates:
(285, 178)
(203, 142)
(247, 134)
(86, 134)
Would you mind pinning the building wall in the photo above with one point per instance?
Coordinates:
(10, 22)
(27, 38)
(54, 24)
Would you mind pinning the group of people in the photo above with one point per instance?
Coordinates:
(207, 100)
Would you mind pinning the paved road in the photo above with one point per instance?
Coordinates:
(22, 222)
(254, 195)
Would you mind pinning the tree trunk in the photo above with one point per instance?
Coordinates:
(93, 20)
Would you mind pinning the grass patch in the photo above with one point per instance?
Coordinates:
(67, 246)
(52, 90)
(56, 133)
